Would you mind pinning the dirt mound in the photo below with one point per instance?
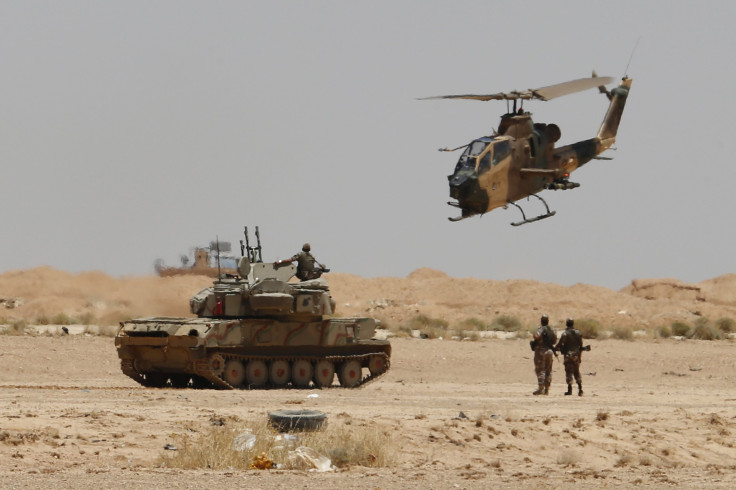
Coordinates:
(664, 288)
(427, 273)
(45, 292)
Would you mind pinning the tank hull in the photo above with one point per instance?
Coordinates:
(242, 353)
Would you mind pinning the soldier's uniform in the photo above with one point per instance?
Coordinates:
(571, 346)
(305, 269)
(543, 345)
(305, 266)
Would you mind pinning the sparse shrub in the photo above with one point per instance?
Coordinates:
(423, 321)
(623, 333)
(431, 327)
(61, 319)
(506, 323)
(473, 324)
(726, 325)
(664, 331)
(704, 330)
(353, 444)
(15, 327)
(42, 320)
(680, 329)
(589, 328)
(601, 416)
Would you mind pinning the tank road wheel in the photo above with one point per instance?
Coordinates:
(280, 372)
(234, 372)
(217, 364)
(376, 365)
(324, 374)
(256, 373)
(350, 374)
(301, 373)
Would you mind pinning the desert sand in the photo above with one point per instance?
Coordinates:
(657, 412)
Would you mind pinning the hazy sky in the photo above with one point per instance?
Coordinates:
(132, 131)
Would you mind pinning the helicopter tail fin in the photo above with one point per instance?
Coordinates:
(609, 128)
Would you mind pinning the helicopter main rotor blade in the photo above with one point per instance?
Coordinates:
(544, 93)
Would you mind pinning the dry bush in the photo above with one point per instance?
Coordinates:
(664, 331)
(505, 323)
(431, 327)
(622, 333)
(61, 319)
(15, 327)
(704, 330)
(726, 325)
(680, 329)
(601, 416)
(473, 324)
(344, 442)
(591, 329)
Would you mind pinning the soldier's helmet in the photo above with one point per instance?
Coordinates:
(544, 320)
(569, 322)
(306, 247)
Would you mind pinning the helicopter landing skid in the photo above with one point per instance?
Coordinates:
(466, 213)
(526, 220)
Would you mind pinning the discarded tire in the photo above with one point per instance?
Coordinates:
(295, 420)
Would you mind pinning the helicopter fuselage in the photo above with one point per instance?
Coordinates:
(520, 160)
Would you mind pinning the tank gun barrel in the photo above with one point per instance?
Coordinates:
(258, 248)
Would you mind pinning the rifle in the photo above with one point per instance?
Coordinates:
(585, 348)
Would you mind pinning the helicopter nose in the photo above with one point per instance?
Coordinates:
(462, 185)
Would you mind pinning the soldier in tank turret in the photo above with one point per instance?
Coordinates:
(307, 266)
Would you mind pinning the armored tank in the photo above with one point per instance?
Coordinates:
(254, 329)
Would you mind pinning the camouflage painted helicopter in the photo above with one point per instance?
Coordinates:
(520, 159)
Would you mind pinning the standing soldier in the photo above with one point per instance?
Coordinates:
(571, 346)
(543, 346)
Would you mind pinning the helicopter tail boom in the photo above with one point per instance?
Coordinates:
(609, 127)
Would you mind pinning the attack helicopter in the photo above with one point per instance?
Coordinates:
(520, 159)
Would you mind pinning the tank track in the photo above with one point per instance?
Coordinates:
(203, 369)
(202, 366)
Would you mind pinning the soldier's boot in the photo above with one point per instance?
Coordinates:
(540, 390)
(546, 390)
(569, 390)
(580, 389)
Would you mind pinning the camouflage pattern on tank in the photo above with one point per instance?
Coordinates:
(255, 330)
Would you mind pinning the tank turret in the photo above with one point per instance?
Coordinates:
(262, 292)
(254, 329)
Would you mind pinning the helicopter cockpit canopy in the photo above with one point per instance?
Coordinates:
(482, 153)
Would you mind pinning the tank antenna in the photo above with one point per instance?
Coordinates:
(217, 246)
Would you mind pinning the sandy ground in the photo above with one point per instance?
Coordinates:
(655, 413)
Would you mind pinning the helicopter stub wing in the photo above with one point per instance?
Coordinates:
(544, 93)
